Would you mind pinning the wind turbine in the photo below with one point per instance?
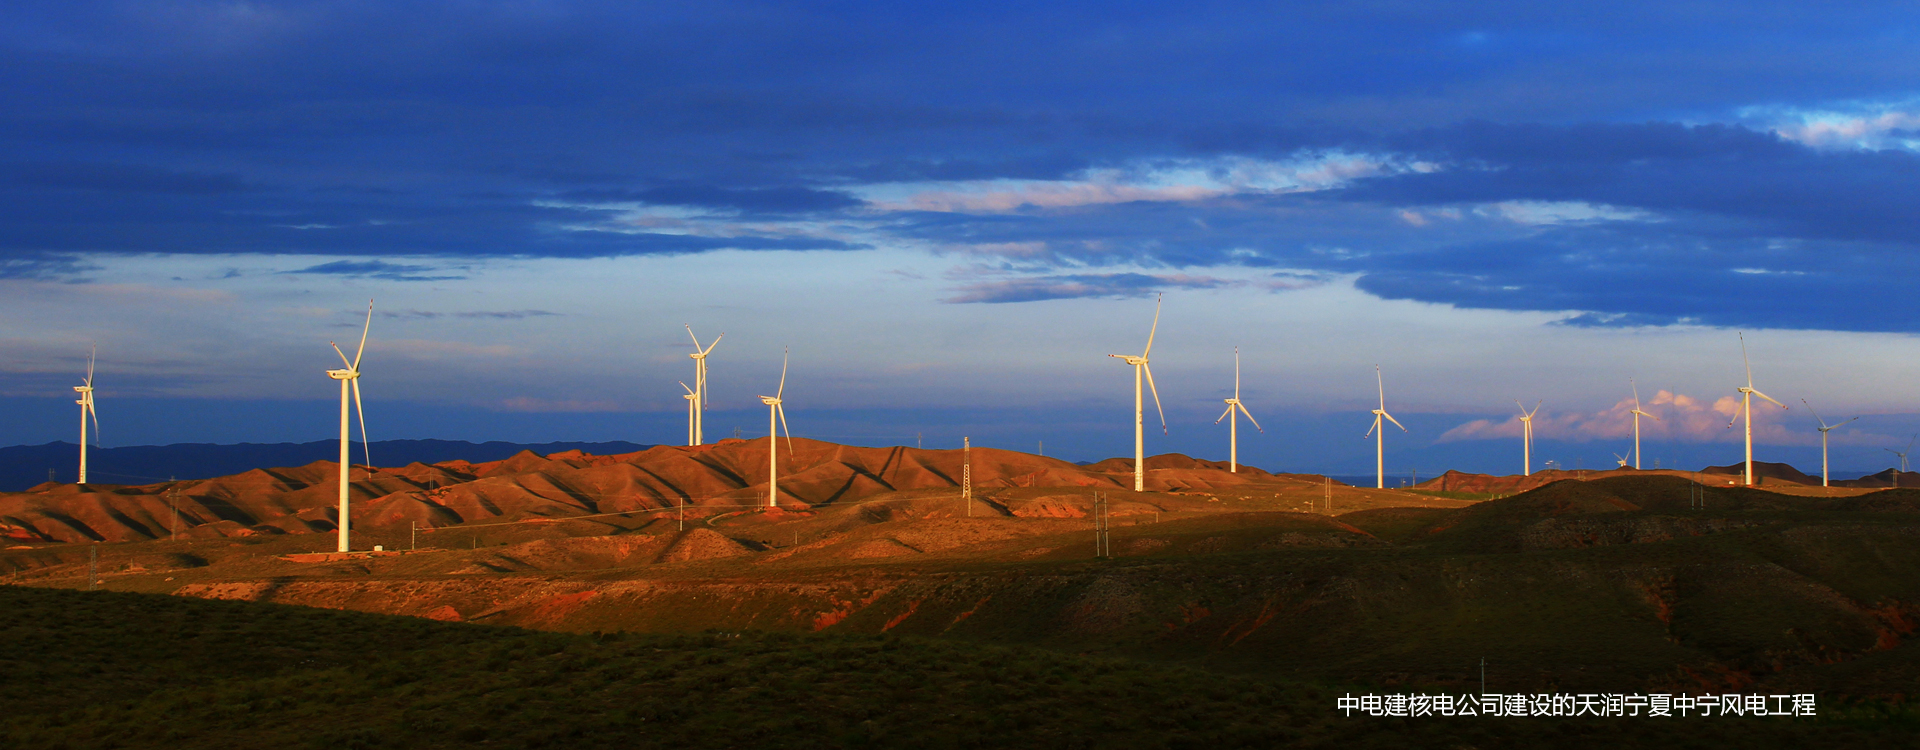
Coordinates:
(1379, 433)
(1903, 459)
(1139, 434)
(699, 356)
(693, 414)
(1233, 424)
(1824, 429)
(774, 409)
(350, 380)
(1622, 460)
(86, 410)
(1747, 393)
(1526, 434)
(1637, 414)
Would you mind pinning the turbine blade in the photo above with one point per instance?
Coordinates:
(1516, 402)
(1376, 426)
(363, 338)
(1816, 415)
(1744, 362)
(783, 375)
(683, 386)
(1396, 422)
(363, 425)
(1223, 415)
(782, 411)
(91, 353)
(1909, 442)
(343, 355)
(1636, 393)
(1236, 373)
(1256, 423)
(1154, 329)
(1770, 398)
(1841, 423)
(696, 339)
(95, 413)
(1156, 397)
(1649, 415)
(710, 346)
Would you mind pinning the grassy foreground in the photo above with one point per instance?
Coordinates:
(100, 669)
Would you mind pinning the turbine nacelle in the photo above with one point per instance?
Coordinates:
(1130, 359)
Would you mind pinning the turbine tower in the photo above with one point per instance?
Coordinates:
(775, 410)
(1139, 433)
(693, 414)
(1824, 429)
(86, 410)
(1637, 414)
(699, 356)
(1747, 393)
(350, 380)
(1379, 433)
(1526, 436)
(1234, 408)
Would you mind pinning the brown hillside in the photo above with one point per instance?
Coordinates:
(718, 478)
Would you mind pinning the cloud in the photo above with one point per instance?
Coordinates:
(1677, 417)
(792, 199)
(375, 269)
(542, 405)
(110, 177)
(1116, 285)
(482, 314)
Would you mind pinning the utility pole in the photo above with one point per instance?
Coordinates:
(173, 504)
(413, 536)
(1043, 449)
(682, 503)
(1102, 546)
(1329, 486)
(966, 473)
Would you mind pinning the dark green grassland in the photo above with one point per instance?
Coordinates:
(100, 669)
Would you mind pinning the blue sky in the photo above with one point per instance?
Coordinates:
(950, 215)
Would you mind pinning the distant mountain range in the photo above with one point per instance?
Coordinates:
(24, 466)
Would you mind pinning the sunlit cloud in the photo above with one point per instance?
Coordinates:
(1851, 125)
(1675, 417)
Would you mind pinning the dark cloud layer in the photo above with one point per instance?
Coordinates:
(514, 130)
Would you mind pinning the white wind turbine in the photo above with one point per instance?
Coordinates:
(350, 380)
(1637, 414)
(1747, 393)
(775, 410)
(693, 414)
(1824, 429)
(1233, 423)
(1622, 460)
(1903, 458)
(1379, 433)
(699, 356)
(1526, 434)
(86, 410)
(1139, 433)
